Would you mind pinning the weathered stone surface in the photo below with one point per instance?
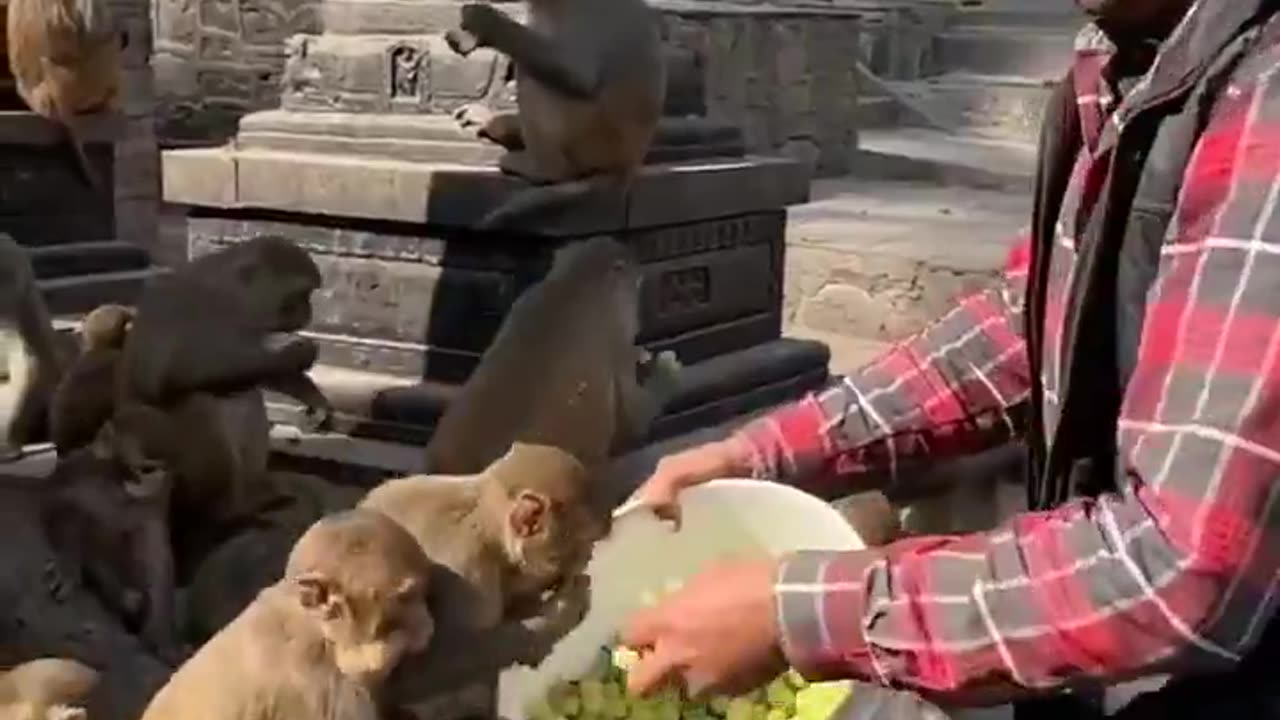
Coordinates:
(410, 303)
(457, 195)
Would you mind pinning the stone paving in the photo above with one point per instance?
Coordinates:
(871, 261)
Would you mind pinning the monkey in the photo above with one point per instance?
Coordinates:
(321, 641)
(46, 689)
(84, 398)
(34, 362)
(107, 518)
(65, 56)
(580, 323)
(510, 546)
(590, 84)
(203, 344)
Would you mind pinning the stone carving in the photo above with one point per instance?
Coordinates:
(405, 65)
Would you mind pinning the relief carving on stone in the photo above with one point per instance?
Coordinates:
(300, 76)
(406, 67)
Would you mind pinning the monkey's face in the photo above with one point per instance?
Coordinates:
(370, 630)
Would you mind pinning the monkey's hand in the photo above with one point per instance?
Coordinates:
(461, 41)
(480, 21)
(316, 418)
(562, 613)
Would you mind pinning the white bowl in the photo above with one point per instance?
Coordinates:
(645, 556)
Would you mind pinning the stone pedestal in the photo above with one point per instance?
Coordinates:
(364, 166)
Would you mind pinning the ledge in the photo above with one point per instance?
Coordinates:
(458, 195)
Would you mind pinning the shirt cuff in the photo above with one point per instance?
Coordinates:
(819, 598)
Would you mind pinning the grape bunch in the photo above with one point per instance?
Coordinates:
(602, 695)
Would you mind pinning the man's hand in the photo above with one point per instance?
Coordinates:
(683, 470)
(718, 634)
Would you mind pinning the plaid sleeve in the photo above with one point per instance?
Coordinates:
(1179, 567)
(955, 387)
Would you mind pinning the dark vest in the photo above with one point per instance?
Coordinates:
(1119, 253)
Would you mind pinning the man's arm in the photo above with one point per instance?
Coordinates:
(956, 387)
(1177, 570)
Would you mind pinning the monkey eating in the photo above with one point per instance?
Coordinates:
(590, 86)
(84, 398)
(580, 323)
(34, 361)
(107, 518)
(510, 546)
(203, 344)
(46, 689)
(320, 642)
(65, 60)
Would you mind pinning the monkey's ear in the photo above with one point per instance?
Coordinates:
(317, 594)
(528, 516)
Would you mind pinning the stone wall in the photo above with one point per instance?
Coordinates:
(785, 75)
(137, 161)
(215, 60)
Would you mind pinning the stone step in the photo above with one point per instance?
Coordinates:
(1002, 106)
(1004, 50)
(396, 409)
(944, 158)
(87, 258)
(870, 261)
(1061, 18)
(78, 294)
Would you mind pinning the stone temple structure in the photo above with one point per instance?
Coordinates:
(364, 165)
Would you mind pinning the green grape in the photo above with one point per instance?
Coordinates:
(591, 691)
(780, 695)
(719, 704)
(616, 704)
(795, 679)
(759, 712)
(542, 710)
(777, 714)
(740, 709)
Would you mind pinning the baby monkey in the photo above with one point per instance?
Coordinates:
(84, 398)
(318, 644)
(46, 689)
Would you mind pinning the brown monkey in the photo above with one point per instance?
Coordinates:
(510, 545)
(590, 85)
(203, 343)
(319, 643)
(65, 59)
(46, 689)
(579, 322)
(34, 362)
(107, 518)
(84, 398)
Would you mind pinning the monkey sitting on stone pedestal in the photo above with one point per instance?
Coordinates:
(590, 86)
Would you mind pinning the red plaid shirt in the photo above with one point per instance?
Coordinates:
(1176, 567)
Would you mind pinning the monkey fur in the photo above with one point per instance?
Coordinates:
(320, 642)
(34, 361)
(65, 60)
(107, 519)
(580, 323)
(46, 689)
(231, 575)
(84, 399)
(590, 85)
(204, 343)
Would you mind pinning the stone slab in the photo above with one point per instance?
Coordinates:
(458, 195)
(944, 159)
(876, 260)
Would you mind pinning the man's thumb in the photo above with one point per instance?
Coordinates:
(654, 670)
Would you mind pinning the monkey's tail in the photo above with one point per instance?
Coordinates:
(81, 159)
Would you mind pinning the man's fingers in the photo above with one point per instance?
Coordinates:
(643, 629)
(655, 669)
